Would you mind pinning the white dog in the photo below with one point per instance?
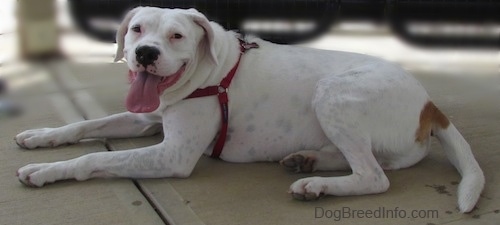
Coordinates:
(311, 109)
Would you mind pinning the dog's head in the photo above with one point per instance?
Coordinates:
(159, 44)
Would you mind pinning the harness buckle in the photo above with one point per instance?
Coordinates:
(222, 89)
(245, 46)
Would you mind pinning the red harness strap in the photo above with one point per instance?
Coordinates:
(221, 92)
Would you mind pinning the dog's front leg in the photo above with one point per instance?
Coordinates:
(149, 162)
(188, 129)
(115, 126)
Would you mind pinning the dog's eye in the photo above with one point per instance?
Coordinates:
(136, 28)
(177, 36)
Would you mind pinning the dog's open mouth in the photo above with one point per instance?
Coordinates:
(146, 88)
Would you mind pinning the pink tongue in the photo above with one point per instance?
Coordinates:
(143, 95)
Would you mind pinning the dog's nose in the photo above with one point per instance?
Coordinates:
(146, 55)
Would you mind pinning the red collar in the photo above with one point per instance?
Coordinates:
(221, 92)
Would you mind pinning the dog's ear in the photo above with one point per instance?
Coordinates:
(202, 21)
(122, 31)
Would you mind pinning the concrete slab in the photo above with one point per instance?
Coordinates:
(225, 193)
(83, 75)
(24, 79)
(93, 202)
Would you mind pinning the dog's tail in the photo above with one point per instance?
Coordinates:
(460, 155)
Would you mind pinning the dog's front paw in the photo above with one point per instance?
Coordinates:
(36, 175)
(297, 162)
(45, 137)
(307, 189)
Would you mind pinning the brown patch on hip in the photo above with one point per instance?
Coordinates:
(430, 116)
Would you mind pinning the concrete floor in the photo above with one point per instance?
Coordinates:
(61, 92)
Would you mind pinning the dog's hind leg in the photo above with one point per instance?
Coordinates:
(340, 121)
(328, 158)
(367, 176)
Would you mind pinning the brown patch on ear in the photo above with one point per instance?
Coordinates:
(430, 116)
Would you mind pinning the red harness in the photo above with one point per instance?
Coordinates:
(221, 92)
